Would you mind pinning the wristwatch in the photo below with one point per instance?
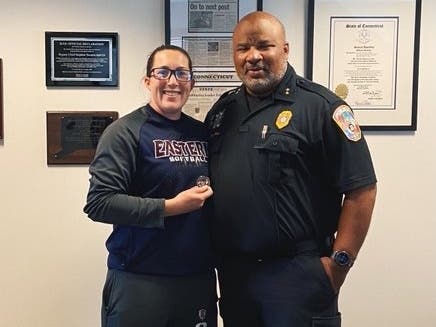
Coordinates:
(342, 258)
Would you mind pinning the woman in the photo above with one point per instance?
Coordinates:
(143, 181)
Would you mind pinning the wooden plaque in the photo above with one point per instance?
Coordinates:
(72, 136)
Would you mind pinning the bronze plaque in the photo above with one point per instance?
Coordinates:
(72, 136)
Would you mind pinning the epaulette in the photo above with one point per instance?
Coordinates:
(219, 107)
(318, 89)
(228, 93)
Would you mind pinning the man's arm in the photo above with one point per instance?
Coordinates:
(353, 226)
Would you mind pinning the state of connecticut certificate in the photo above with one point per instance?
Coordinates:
(363, 60)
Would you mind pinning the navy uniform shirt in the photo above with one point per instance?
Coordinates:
(279, 170)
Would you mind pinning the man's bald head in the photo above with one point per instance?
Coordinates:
(260, 52)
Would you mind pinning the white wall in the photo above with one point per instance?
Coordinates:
(52, 258)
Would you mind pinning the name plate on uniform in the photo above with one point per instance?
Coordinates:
(72, 136)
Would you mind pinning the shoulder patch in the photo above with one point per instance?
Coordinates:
(318, 89)
(344, 118)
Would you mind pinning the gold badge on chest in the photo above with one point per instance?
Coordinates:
(283, 119)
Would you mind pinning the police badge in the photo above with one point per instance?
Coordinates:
(283, 119)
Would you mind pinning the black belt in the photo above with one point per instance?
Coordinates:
(306, 246)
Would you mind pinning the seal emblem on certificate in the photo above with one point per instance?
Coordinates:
(341, 90)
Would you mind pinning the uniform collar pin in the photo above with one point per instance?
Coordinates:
(287, 91)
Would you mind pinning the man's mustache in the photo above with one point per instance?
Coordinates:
(255, 67)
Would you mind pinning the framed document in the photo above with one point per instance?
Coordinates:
(81, 59)
(204, 18)
(204, 29)
(367, 52)
(1, 99)
(72, 136)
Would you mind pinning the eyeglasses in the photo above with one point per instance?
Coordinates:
(182, 75)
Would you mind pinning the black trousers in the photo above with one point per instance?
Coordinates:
(133, 300)
(284, 292)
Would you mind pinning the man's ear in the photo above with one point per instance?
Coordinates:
(286, 48)
(192, 83)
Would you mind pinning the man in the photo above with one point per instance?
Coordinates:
(290, 170)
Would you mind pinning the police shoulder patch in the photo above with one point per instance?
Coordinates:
(344, 118)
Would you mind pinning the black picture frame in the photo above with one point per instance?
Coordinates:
(81, 59)
(401, 113)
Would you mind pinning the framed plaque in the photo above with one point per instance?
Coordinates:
(1, 99)
(72, 136)
(367, 52)
(81, 59)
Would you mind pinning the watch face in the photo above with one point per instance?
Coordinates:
(342, 258)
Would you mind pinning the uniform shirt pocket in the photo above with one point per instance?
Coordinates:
(279, 153)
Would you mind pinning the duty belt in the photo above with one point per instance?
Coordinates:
(305, 246)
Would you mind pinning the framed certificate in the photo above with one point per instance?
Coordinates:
(81, 59)
(367, 52)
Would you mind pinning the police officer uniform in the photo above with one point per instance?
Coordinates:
(279, 167)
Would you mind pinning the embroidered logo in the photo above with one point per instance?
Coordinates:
(344, 117)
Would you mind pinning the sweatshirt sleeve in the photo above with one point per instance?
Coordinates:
(112, 170)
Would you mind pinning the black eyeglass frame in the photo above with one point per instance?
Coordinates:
(172, 72)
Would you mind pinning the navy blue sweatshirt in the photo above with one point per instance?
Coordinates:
(142, 159)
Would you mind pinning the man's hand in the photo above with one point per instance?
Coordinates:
(335, 273)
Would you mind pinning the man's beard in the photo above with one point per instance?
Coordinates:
(261, 86)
